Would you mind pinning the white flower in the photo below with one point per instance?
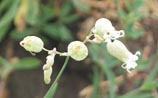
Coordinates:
(104, 30)
(102, 26)
(32, 44)
(77, 50)
(117, 49)
(47, 75)
(113, 35)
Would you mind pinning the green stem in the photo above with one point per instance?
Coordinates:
(46, 49)
(49, 92)
(87, 38)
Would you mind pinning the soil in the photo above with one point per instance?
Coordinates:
(29, 84)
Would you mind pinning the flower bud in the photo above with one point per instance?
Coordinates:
(50, 59)
(49, 62)
(117, 49)
(32, 44)
(77, 50)
(102, 26)
(47, 75)
(104, 31)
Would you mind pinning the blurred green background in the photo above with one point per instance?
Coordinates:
(59, 22)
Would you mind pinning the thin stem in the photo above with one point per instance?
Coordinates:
(46, 49)
(87, 38)
(56, 52)
(57, 78)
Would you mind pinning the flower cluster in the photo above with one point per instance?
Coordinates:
(103, 31)
(77, 50)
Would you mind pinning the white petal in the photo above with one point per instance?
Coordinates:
(130, 65)
(118, 50)
(50, 59)
(113, 35)
(103, 25)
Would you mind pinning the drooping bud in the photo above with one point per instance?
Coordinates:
(102, 26)
(77, 50)
(117, 49)
(104, 30)
(32, 44)
(47, 75)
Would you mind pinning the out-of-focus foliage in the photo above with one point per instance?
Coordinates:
(7, 18)
(80, 5)
(25, 63)
(96, 80)
(36, 18)
(131, 16)
(52, 91)
(107, 63)
(101, 57)
(137, 93)
(150, 83)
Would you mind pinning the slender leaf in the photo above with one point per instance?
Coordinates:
(51, 92)
(66, 9)
(4, 4)
(3, 62)
(20, 35)
(65, 33)
(122, 13)
(7, 19)
(69, 19)
(33, 12)
(150, 82)
(80, 5)
(137, 93)
(96, 80)
(53, 87)
(5, 68)
(47, 13)
(27, 63)
(59, 32)
(99, 56)
(110, 75)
